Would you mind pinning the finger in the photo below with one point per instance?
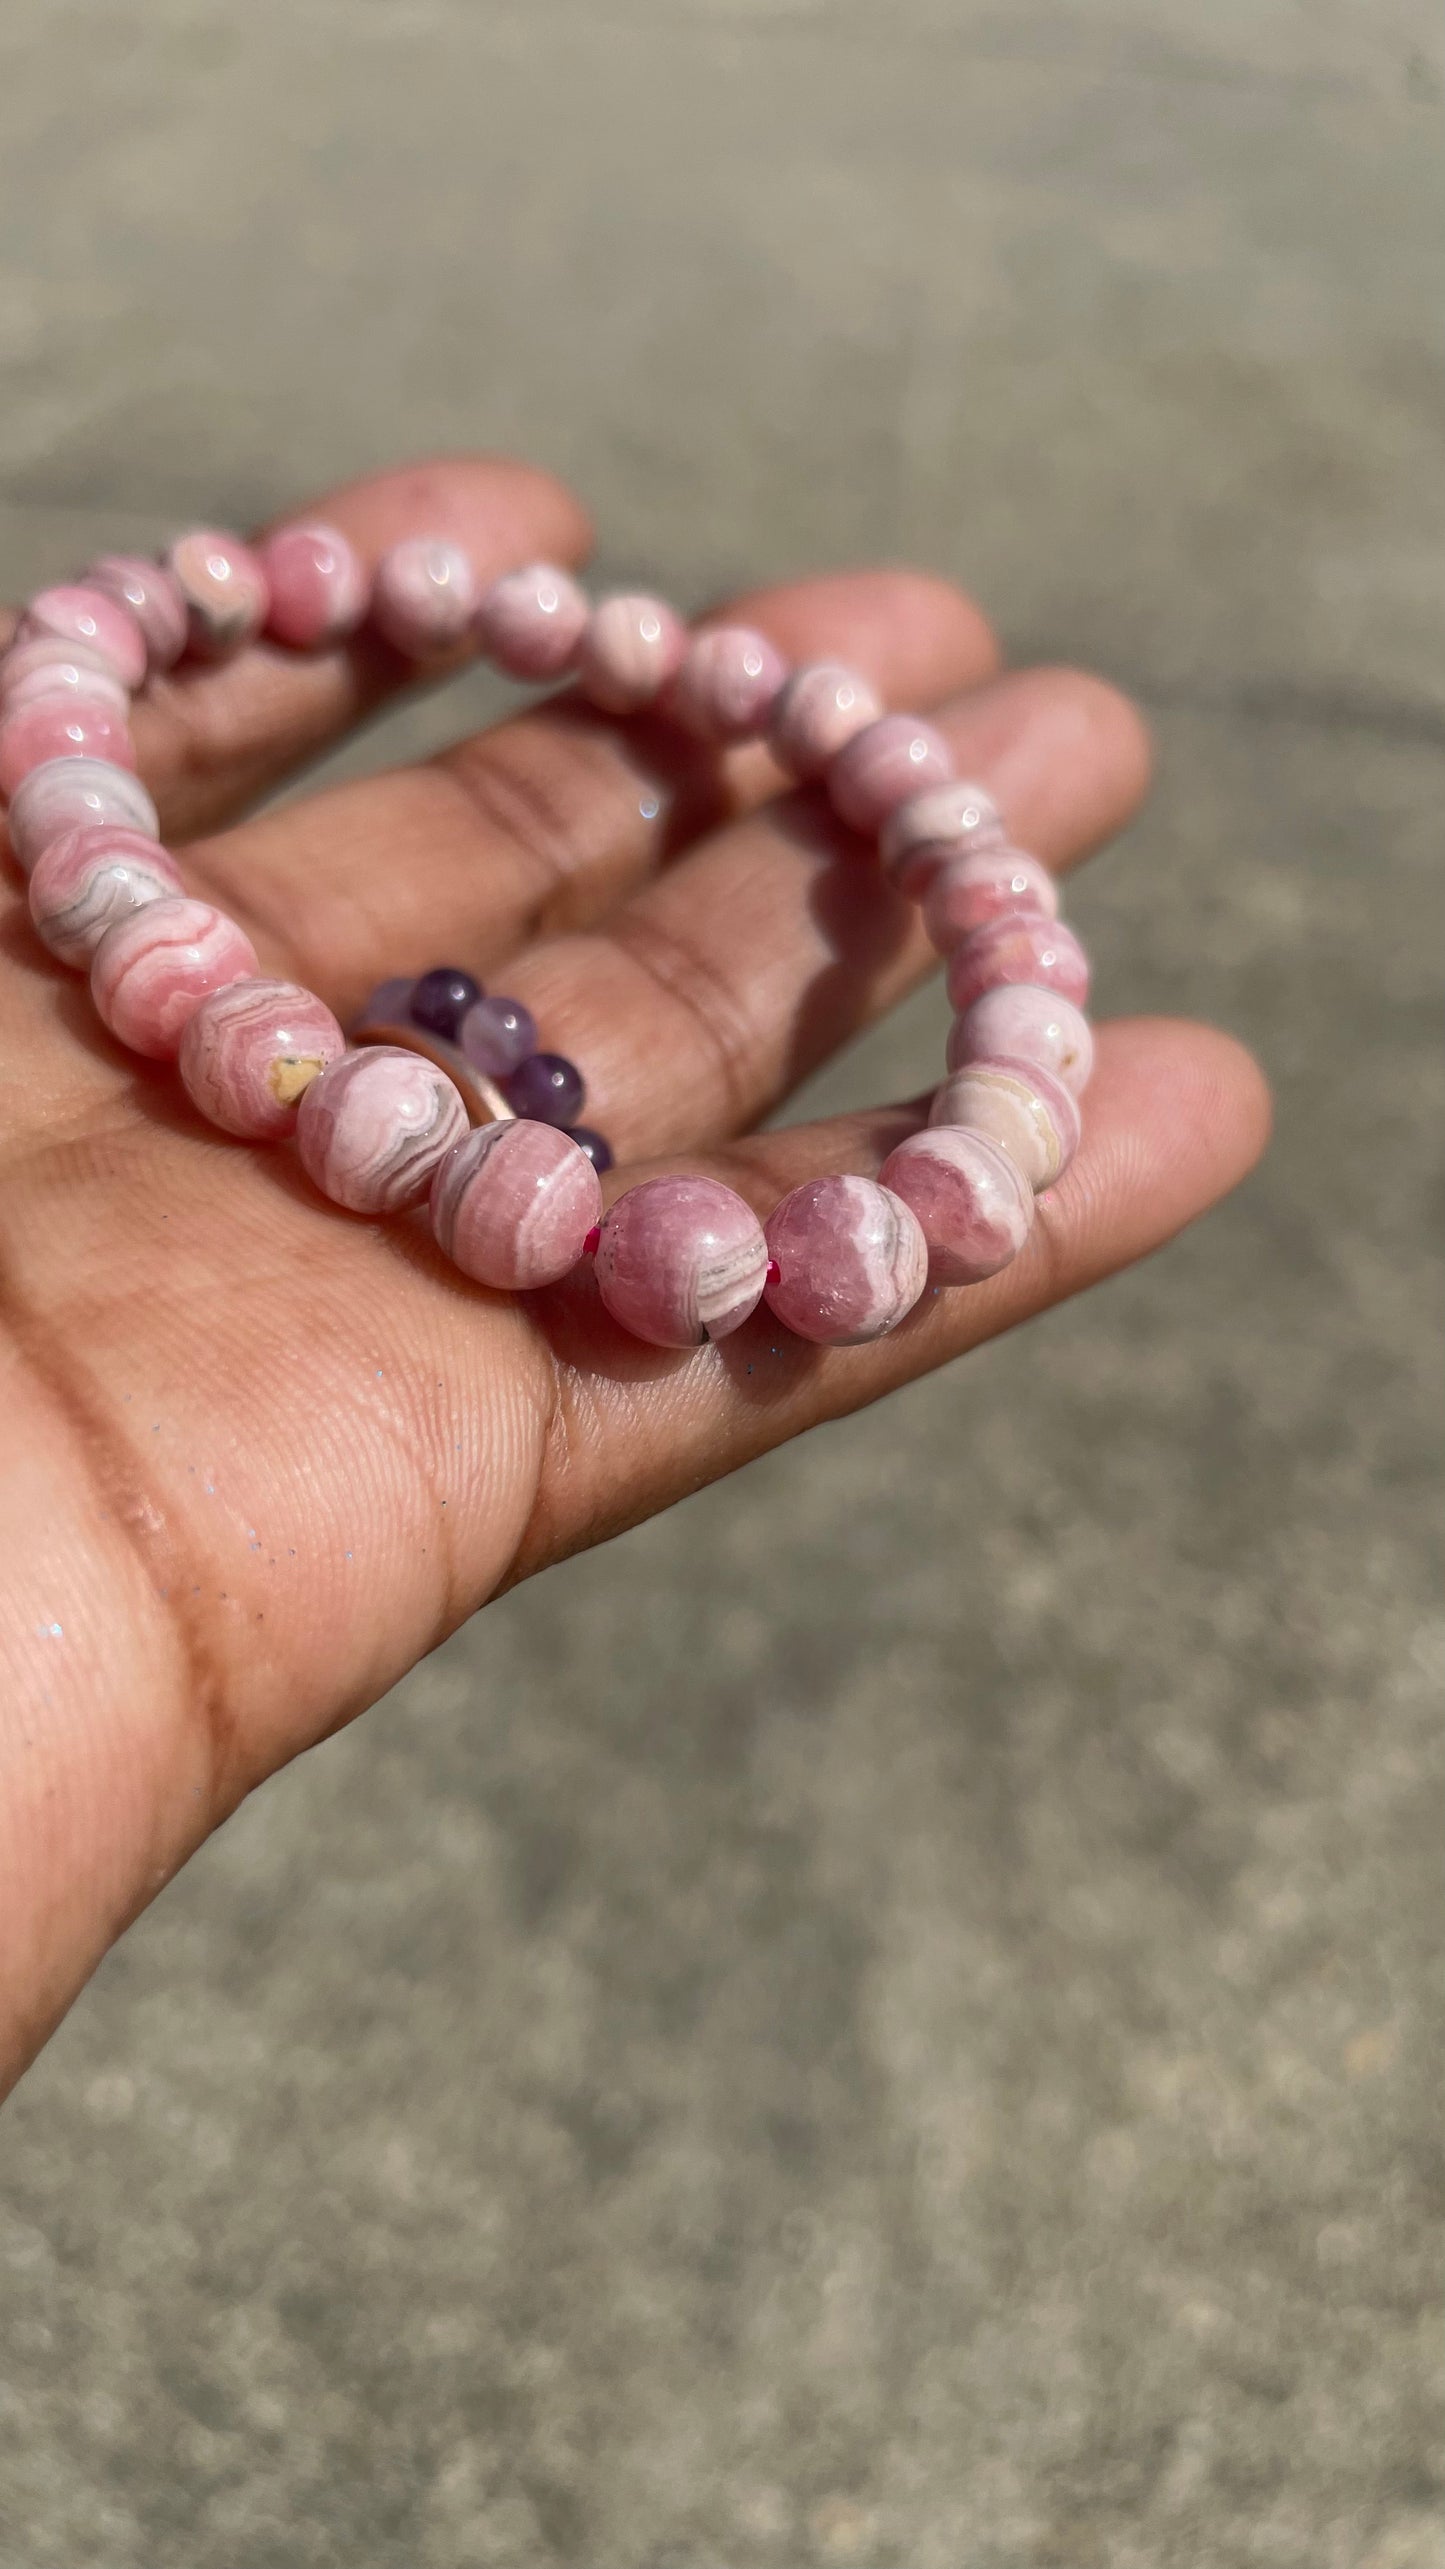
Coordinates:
(1175, 1116)
(699, 1004)
(543, 821)
(210, 740)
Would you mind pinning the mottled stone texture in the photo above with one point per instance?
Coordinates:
(631, 647)
(849, 1261)
(822, 707)
(681, 1260)
(249, 1054)
(513, 1204)
(88, 879)
(424, 596)
(531, 621)
(882, 2020)
(316, 586)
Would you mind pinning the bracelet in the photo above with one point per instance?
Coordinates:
(442, 1093)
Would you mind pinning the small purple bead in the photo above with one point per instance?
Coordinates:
(440, 999)
(547, 1089)
(498, 1035)
(389, 1004)
(597, 1148)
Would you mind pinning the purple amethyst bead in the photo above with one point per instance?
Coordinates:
(597, 1148)
(548, 1089)
(441, 998)
(498, 1035)
(388, 1004)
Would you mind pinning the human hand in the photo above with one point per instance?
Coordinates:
(263, 1455)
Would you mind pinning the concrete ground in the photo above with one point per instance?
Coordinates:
(885, 2019)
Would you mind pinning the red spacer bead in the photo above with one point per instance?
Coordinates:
(589, 1245)
(775, 1272)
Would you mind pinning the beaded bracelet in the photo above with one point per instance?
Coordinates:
(441, 1092)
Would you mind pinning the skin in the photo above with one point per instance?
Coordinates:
(261, 1456)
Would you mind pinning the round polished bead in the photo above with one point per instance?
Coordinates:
(1019, 948)
(941, 822)
(1019, 1022)
(851, 1260)
(316, 583)
(631, 649)
(389, 1004)
(681, 1260)
(424, 597)
(89, 616)
(374, 1127)
(88, 878)
(596, 1146)
(224, 588)
(497, 1035)
(974, 1205)
(966, 892)
(153, 598)
(822, 707)
(531, 622)
(1019, 1105)
(60, 727)
(150, 972)
(728, 683)
(883, 766)
(251, 1051)
(50, 668)
(440, 999)
(66, 793)
(513, 1204)
(547, 1087)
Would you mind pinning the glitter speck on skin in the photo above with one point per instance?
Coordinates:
(650, 806)
(52, 1631)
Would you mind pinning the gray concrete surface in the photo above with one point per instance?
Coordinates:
(888, 2018)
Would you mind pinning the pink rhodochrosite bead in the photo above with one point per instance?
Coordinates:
(150, 972)
(965, 892)
(89, 616)
(630, 650)
(941, 822)
(883, 766)
(1019, 948)
(88, 878)
(1019, 1105)
(531, 622)
(224, 588)
(851, 1257)
(822, 707)
(681, 1260)
(317, 586)
(974, 1205)
(513, 1204)
(728, 683)
(48, 668)
(251, 1051)
(1019, 1022)
(373, 1128)
(65, 794)
(60, 727)
(153, 598)
(424, 597)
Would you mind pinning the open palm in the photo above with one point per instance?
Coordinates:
(260, 1456)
